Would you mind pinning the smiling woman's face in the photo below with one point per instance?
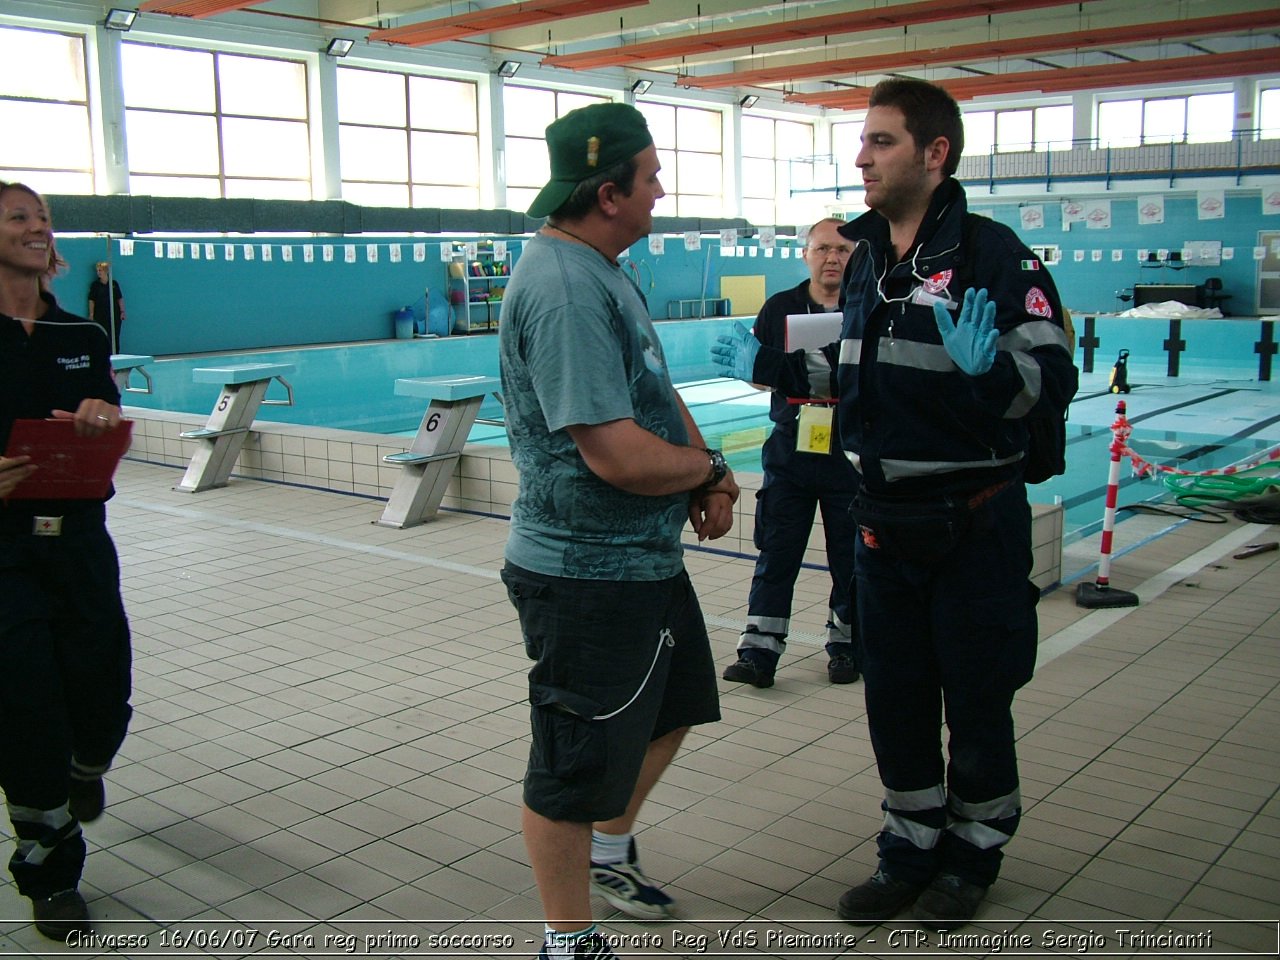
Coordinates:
(26, 233)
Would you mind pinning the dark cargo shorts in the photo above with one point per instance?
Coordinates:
(616, 666)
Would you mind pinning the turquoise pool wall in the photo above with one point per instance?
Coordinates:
(211, 304)
(205, 303)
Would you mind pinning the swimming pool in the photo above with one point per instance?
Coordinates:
(1207, 421)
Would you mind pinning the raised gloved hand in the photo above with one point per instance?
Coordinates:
(971, 340)
(734, 353)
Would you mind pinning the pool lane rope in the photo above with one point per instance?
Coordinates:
(1191, 488)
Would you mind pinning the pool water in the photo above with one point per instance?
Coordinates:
(1207, 421)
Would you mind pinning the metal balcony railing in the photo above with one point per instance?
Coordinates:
(1248, 152)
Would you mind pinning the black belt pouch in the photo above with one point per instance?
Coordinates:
(920, 531)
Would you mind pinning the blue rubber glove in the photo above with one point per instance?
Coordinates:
(734, 353)
(971, 340)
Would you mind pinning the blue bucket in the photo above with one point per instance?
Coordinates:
(404, 323)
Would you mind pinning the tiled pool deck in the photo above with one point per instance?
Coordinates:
(331, 730)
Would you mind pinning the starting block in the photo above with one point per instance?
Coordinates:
(244, 389)
(124, 364)
(428, 463)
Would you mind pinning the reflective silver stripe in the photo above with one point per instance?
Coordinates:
(1035, 333)
(761, 641)
(778, 625)
(917, 834)
(854, 459)
(851, 351)
(54, 819)
(766, 635)
(818, 367)
(35, 852)
(971, 821)
(839, 631)
(1018, 342)
(927, 799)
(1026, 398)
(902, 469)
(918, 356)
(84, 771)
(998, 809)
(58, 825)
(979, 834)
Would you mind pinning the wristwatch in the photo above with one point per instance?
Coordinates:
(718, 467)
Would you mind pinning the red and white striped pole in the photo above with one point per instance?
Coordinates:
(1100, 593)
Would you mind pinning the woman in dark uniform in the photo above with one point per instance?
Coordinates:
(64, 640)
(106, 303)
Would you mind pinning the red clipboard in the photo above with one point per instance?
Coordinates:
(71, 467)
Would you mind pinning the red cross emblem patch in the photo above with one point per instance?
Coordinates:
(1037, 303)
(938, 282)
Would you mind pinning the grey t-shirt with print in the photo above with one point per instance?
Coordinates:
(576, 346)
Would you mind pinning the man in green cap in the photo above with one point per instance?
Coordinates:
(611, 466)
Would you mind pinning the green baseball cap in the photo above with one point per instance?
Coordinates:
(586, 141)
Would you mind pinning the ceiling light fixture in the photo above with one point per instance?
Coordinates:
(120, 19)
(748, 101)
(339, 47)
(641, 87)
(508, 68)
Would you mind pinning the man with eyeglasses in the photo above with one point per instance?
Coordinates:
(799, 479)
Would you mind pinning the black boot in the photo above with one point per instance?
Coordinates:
(877, 900)
(61, 915)
(753, 666)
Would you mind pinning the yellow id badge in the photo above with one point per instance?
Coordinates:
(814, 433)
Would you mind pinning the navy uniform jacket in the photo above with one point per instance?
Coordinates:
(65, 360)
(912, 422)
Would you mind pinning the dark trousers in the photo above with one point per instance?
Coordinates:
(795, 486)
(951, 641)
(65, 667)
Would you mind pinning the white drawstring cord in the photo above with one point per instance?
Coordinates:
(664, 639)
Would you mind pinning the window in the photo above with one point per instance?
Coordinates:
(1120, 123)
(1054, 128)
(690, 144)
(1005, 131)
(408, 141)
(1210, 117)
(979, 133)
(43, 92)
(768, 147)
(210, 124)
(1200, 118)
(526, 113)
(1269, 113)
(846, 141)
(1017, 130)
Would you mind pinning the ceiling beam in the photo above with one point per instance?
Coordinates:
(1174, 70)
(466, 26)
(1102, 36)
(784, 31)
(197, 9)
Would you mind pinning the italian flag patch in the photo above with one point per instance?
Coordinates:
(1030, 264)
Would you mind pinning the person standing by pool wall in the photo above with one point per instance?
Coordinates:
(611, 466)
(952, 337)
(106, 303)
(64, 639)
(797, 481)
